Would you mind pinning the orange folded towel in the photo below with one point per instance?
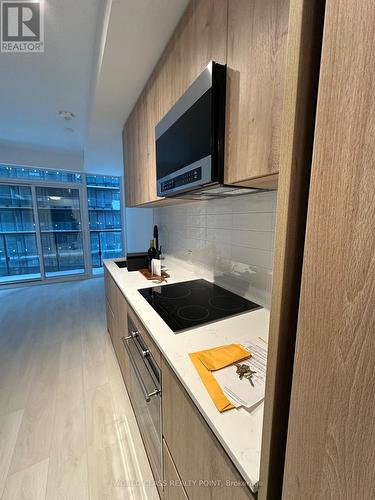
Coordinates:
(215, 359)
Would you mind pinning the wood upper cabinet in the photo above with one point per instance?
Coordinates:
(130, 150)
(256, 56)
(139, 151)
(251, 38)
(200, 37)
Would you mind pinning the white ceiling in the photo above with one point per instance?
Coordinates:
(98, 56)
(137, 33)
(34, 87)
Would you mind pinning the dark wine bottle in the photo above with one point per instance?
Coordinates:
(152, 254)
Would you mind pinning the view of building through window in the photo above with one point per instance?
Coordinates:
(103, 197)
(18, 241)
(50, 227)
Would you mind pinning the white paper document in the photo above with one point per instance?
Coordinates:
(243, 392)
(156, 267)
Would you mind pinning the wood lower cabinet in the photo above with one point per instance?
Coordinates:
(114, 308)
(110, 289)
(111, 325)
(173, 488)
(196, 452)
(121, 331)
(191, 452)
(148, 413)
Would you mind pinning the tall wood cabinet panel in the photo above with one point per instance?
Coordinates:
(199, 38)
(330, 450)
(297, 132)
(257, 41)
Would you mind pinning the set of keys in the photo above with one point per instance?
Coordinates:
(244, 371)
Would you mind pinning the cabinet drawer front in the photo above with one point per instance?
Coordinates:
(173, 490)
(195, 450)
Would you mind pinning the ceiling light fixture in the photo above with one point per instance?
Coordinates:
(67, 115)
(54, 198)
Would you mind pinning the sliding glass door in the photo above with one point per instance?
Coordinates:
(59, 214)
(19, 256)
(57, 225)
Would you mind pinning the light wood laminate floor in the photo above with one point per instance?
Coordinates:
(67, 429)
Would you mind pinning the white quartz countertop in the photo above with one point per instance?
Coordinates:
(239, 431)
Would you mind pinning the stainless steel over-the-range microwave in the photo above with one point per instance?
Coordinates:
(190, 141)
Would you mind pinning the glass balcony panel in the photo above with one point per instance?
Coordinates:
(19, 259)
(16, 220)
(15, 196)
(61, 232)
(39, 174)
(62, 253)
(3, 259)
(105, 245)
(22, 253)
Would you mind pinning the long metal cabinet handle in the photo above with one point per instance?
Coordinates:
(149, 361)
(146, 395)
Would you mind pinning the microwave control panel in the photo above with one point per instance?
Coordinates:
(190, 177)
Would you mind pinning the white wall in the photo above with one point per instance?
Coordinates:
(41, 157)
(139, 229)
(103, 152)
(228, 240)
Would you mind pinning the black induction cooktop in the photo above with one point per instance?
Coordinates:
(194, 303)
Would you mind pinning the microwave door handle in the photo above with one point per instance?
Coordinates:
(146, 394)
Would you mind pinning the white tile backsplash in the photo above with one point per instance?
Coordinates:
(228, 240)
